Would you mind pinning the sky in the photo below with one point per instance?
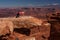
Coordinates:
(24, 3)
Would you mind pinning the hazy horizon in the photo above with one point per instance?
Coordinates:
(27, 3)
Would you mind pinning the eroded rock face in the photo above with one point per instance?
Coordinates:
(5, 27)
(27, 22)
(41, 32)
(11, 23)
(38, 28)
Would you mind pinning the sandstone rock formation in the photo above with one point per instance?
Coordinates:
(38, 28)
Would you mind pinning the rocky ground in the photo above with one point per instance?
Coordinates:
(25, 28)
